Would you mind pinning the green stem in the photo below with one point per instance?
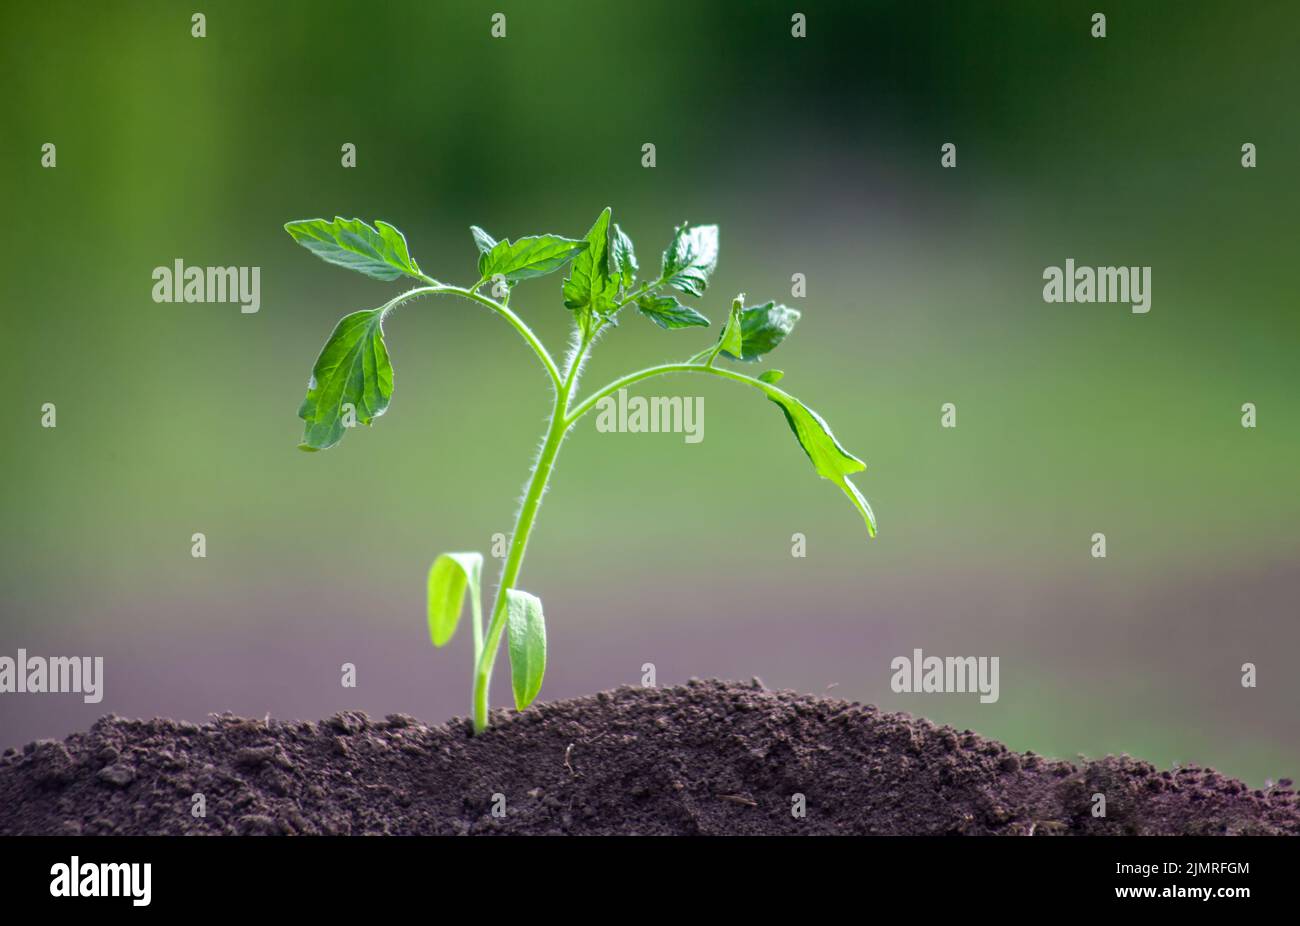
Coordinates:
(485, 649)
(501, 309)
(514, 559)
(476, 606)
(562, 419)
(524, 520)
(588, 403)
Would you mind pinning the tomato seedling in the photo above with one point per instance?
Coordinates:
(352, 381)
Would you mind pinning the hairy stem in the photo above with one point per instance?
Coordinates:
(500, 308)
(562, 419)
(515, 557)
(486, 645)
(485, 658)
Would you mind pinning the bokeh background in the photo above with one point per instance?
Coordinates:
(818, 156)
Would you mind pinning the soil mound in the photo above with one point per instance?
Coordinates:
(702, 758)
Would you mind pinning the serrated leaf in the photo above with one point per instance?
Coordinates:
(830, 459)
(379, 252)
(771, 376)
(624, 258)
(691, 258)
(527, 632)
(591, 288)
(668, 313)
(482, 239)
(353, 370)
(450, 576)
(762, 328)
(529, 257)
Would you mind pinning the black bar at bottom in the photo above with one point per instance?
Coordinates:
(332, 875)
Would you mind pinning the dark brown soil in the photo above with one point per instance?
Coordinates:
(706, 757)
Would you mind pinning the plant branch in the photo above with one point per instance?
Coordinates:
(588, 403)
(501, 309)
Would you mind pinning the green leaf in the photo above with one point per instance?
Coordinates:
(732, 339)
(529, 257)
(378, 252)
(771, 376)
(527, 630)
(624, 258)
(482, 239)
(691, 258)
(352, 370)
(449, 577)
(762, 328)
(590, 288)
(668, 313)
(830, 460)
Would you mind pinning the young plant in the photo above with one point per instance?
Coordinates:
(352, 381)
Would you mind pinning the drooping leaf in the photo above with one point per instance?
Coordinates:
(450, 576)
(624, 258)
(771, 376)
(668, 313)
(591, 288)
(762, 328)
(529, 257)
(379, 252)
(482, 239)
(527, 632)
(352, 376)
(830, 459)
(691, 258)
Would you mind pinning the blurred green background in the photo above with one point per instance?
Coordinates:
(817, 156)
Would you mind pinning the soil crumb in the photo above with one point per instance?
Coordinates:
(707, 757)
